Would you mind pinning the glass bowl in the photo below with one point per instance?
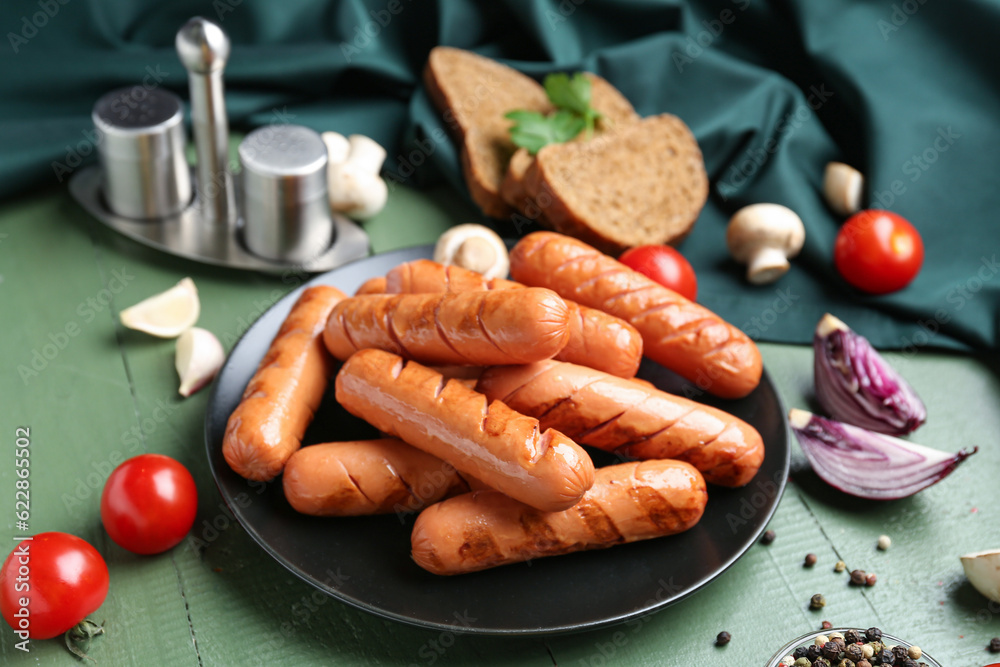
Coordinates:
(807, 639)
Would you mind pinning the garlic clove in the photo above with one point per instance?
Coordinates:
(198, 358)
(167, 314)
(983, 571)
(842, 188)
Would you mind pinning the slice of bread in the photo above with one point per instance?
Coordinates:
(604, 97)
(640, 183)
(474, 93)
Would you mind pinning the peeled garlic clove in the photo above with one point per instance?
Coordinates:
(856, 385)
(167, 314)
(983, 571)
(842, 187)
(199, 357)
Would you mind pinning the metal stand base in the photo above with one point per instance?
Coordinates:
(188, 235)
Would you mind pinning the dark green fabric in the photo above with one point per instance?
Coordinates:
(906, 91)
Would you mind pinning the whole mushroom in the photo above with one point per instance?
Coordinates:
(474, 247)
(764, 237)
(842, 188)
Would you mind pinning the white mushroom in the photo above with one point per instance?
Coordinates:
(355, 187)
(198, 358)
(842, 186)
(764, 237)
(474, 247)
(983, 571)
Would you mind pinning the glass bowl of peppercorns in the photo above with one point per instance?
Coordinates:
(850, 647)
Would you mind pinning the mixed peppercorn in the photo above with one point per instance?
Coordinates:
(854, 648)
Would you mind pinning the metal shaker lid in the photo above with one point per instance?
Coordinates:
(290, 157)
(137, 122)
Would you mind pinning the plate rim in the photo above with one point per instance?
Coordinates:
(701, 584)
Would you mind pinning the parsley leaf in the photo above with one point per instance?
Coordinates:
(532, 130)
(571, 97)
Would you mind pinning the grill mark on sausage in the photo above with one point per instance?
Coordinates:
(441, 331)
(690, 329)
(598, 522)
(478, 545)
(391, 330)
(583, 435)
(346, 329)
(486, 334)
(539, 536)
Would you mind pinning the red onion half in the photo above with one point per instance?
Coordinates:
(870, 465)
(854, 384)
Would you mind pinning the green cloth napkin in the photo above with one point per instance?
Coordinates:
(906, 91)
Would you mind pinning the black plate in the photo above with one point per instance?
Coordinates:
(365, 561)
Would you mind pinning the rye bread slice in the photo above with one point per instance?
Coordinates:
(474, 93)
(605, 98)
(642, 183)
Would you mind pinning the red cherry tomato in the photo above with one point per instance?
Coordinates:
(664, 265)
(149, 504)
(62, 579)
(878, 251)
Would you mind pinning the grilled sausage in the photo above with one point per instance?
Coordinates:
(489, 441)
(367, 477)
(629, 418)
(628, 502)
(470, 328)
(595, 339)
(374, 285)
(679, 334)
(280, 399)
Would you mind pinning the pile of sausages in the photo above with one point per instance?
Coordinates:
(485, 390)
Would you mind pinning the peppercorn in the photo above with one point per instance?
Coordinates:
(885, 657)
(858, 577)
(871, 649)
(722, 638)
(900, 653)
(884, 542)
(813, 652)
(817, 601)
(787, 661)
(909, 662)
(873, 634)
(831, 650)
(846, 662)
(768, 537)
(994, 645)
(800, 652)
(826, 625)
(915, 652)
(810, 560)
(840, 566)
(852, 637)
(819, 640)
(863, 663)
(870, 579)
(802, 662)
(821, 662)
(854, 652)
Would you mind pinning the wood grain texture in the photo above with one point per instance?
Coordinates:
(218, 599)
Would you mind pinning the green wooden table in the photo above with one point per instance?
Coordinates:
(97, 393)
